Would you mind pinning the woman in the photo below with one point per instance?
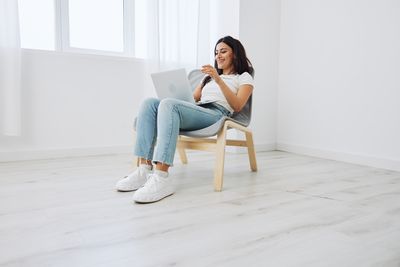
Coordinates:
(224, 90)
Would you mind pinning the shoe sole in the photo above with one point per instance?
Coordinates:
(127, 190)
(121, 190)
(149, 202)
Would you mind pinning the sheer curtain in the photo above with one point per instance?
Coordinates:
(10, 69)
(182, 33)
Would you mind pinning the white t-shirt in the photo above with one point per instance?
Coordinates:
(212, 93)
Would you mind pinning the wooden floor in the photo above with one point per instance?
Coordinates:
(295, 211)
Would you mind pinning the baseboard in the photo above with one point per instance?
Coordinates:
(257, 147)
(384, 163)
(20, 155)
(390, 164)
(265, 147)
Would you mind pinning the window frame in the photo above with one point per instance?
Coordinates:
(62, 32)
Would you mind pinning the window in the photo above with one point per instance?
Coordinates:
(88, 26)
(96, 24)
(164, 30)
(37, 28)
(140, 32)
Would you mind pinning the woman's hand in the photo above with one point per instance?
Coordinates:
(236, 101)
(210, 70)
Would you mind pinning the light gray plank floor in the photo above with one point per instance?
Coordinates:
(295, 211)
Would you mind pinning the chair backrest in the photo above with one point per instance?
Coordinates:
(243, 117)
(195, 77)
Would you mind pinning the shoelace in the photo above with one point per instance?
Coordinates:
(141, 171)
(153, 180)
(144, 172)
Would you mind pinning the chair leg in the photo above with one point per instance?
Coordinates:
(182, 155)
(220, 159)
(251, 151)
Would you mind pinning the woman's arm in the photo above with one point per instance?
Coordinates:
(197, 92)
(238, 101)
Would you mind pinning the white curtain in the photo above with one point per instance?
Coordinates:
(10, 69)
(182, 33)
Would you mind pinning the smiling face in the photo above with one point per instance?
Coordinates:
(224, 58)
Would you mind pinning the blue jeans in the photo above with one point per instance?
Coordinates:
(159, 122)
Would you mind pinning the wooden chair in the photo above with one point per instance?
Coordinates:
(214, 137)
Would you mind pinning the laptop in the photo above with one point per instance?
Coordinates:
(174, 84)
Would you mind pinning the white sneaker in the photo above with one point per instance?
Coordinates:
(135, 180)
(157, 187)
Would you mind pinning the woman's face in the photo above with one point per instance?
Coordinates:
(224, 56)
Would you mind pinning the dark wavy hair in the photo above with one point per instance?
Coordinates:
(240, 61)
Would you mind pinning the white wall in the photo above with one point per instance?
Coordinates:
(339, 80)
(259, 33)
(84, 104)
(338, 88)
(76, 105)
